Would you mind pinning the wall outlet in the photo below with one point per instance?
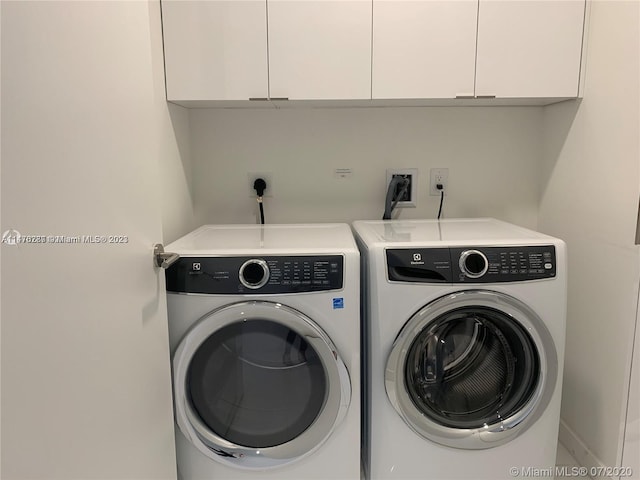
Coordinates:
(410, 196)
(439, 176)
(267, 177)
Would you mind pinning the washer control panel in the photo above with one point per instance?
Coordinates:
(471, 264)
(264, 275)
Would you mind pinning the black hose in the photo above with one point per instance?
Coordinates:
(389, 203)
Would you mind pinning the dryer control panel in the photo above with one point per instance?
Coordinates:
(264, 275)
(471, 264)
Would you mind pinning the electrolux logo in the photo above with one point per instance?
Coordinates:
(417, 259)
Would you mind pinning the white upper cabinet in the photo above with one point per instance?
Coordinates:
(319, 49)
(224, 51)
(529, 48)
(215, 49)
(424, 48)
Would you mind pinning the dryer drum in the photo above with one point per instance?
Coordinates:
(471, 367)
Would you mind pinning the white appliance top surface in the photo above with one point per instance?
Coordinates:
(265, 239)
(480, 231)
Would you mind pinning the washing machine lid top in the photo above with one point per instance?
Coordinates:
(472, 231)
(265, 239)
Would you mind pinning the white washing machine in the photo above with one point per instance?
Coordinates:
(465, 328)
(264, 326)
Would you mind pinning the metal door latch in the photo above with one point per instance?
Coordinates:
(161, 258)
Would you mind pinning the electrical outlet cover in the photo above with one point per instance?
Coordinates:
(438, 176)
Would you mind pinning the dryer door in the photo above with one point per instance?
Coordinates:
(472, 369)
(258, 384)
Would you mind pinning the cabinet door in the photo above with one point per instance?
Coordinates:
(320, 49)
(423, 48)
(529, 48)
(215, 49)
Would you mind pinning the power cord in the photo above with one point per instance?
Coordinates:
(440, 187)
(260, 186)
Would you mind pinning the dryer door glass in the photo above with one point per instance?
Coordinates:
(471, 367)
(257, 383)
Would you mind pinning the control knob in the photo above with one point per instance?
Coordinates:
(254, 273)
(473, 263)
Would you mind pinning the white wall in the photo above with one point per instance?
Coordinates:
(86, 140)
(176, 204)
(590, 199)
(174, 150)
(493, 156)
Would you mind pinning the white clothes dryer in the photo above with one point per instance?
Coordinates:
(264, 327)
(465, 329)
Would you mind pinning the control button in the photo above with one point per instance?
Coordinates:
(254, 273)
(548, 266)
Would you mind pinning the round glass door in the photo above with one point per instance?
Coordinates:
(258, 384)
(472, 369)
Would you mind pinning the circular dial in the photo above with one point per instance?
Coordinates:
(473, 263)
(254, 273)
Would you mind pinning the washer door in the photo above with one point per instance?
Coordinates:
(258, 384)
(472, 369)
